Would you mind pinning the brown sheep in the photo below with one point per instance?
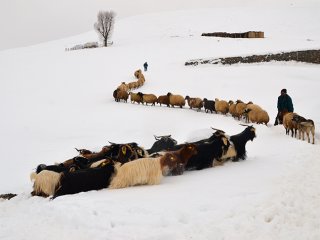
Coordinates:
(141, 78)
(140, 82)
(194, 102)
(135, 97)
(120, 95)
(240, 107)
(176, 100)
(256, 116)
(232, 108)
(289, 124)
(254, 107)
(124, 87)
(135, 85)
(137, 73)
(221, 106)
(131, 85)
(163, 99)
(148, 98)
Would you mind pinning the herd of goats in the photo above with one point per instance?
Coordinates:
(124, 165)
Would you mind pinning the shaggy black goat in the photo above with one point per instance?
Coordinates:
(207, 152)
(77, 163)
(85, 180)
(240, 140)
(162, 143)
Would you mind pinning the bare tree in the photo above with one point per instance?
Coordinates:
(104, 25)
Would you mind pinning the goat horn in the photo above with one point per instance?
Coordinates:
(157, 138)
(111, 142)
(218, 129)
(244, 125)
(77, 149)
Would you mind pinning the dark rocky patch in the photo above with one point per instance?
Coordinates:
(307, 56)
(7, 196)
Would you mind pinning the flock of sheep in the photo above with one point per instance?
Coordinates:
(238, 109)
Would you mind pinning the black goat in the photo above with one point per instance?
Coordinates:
(126, 152)
(209, 105)
(85, 180)
(77, 163)
(217, 134)
(207, 152)
(162, 143)
(240, 140)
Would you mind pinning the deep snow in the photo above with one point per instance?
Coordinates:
(53, 101)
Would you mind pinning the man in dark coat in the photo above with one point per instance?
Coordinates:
(145, 66)
(284, 105)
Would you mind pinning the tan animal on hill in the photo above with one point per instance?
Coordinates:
(137, 73)
(123, 87)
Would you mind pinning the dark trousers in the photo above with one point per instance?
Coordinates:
(279, 117)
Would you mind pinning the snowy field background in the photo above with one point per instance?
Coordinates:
(53, 100)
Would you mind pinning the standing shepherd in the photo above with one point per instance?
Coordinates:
(284, 105)
(145, 66)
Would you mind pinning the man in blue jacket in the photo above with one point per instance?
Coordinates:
(284, 105)
(145, 66)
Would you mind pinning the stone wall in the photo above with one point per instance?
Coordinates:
(307, 56)
(250, 34)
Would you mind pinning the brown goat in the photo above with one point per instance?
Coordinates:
(183, 155)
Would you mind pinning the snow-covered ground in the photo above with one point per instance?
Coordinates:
(53, 100)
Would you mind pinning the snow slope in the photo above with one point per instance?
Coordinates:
(53, 100)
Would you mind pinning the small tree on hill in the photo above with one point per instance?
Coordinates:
(104, 25)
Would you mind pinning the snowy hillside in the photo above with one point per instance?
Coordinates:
(54, 100)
